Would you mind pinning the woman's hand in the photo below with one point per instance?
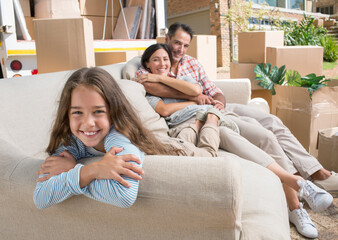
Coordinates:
(218, 105)
(55, 165)
(112, 167)
(149, 77)
(202, 99)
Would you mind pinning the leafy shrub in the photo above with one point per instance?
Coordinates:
(330, 48)
(304, 33)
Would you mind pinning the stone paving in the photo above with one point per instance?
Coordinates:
(326, 222)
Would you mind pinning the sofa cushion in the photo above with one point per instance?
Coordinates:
(135, 93)
(114, 69)
(129, 70)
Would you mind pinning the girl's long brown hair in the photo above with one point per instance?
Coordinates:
(122, 114)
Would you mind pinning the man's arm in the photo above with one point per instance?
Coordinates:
(161, 90)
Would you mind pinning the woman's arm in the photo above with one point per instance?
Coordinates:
(188, 88)
(166, 110)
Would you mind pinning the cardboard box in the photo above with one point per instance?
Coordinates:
(265, 94)
(57, 9)
(30, 26)
(305, 117)
(63, 44)
(204, 49)
(26, 7)
(318, 22)
(98, 8)
(304, 59)
(106, 58)
(328, 148)
(245, 70)
(98, 24)
(329, 22)
(160, 39)
(252, 45)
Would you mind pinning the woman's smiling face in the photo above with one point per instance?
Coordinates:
(159, 62)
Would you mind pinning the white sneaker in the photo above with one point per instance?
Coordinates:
(317, 198)
(330, 184)
(304, 225)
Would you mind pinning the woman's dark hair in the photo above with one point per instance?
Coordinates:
(150, 51)
(177, 25)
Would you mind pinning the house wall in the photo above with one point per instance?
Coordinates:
(327, 3)
(199, 21)
(177, 7)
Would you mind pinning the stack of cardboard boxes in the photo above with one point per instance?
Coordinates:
(304, 116)
(252, 50)
(64, 31)
(95, 10)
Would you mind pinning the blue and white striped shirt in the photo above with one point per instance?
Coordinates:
(59, 188)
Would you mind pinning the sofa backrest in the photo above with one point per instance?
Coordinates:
(28, 105)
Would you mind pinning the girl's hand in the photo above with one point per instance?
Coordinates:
(149, 78)
(112, 167)
(55, 165)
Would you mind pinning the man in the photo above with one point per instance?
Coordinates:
(178, 39)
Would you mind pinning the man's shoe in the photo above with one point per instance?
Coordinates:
(304, 225)
(330, 184)
(317, 198)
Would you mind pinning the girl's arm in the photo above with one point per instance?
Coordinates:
(112, 191)
(166, 110)
(59, 188)
(188, 88)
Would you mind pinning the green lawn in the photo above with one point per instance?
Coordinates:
(329, 65)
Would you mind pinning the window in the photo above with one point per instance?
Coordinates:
(290, 4)
(325, 10)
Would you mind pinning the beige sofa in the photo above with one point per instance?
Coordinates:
(179, 198)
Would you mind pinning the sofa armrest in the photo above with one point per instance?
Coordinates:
(193, 197)
(235, 90)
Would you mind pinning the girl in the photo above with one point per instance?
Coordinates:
(94, 118)
(156, 59)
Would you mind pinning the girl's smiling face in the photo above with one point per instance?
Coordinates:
(89, 117)
(159, 62)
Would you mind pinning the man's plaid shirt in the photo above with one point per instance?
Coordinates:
(189, 66)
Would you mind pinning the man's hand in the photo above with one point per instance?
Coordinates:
(218, 105)
(55, 165)
(202, 99)
(149, 77)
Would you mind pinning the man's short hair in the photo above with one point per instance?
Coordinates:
(175, 26)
